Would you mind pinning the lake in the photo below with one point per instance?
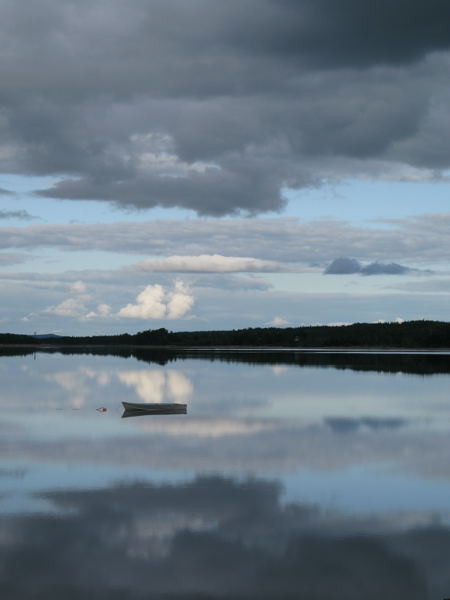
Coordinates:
(311, 475)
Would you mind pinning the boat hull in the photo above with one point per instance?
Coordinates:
(155, 408)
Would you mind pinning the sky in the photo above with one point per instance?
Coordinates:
(200, 164)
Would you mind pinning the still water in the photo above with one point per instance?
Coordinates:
(293, 475)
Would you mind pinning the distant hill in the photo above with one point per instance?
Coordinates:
(410, 334)
(46, 336)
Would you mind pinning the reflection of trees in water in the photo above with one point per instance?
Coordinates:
(215, 538)
(420, 364)
(414, 364)
(11, 351)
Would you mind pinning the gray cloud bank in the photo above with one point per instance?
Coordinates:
(216, 106)
(349, 266)
(424, 240)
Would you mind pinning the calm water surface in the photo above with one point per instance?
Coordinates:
(293, 475)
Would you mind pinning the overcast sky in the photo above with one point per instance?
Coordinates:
(199, 164)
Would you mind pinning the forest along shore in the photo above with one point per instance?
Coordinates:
(413, 335)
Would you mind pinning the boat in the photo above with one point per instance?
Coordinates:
(154, 408)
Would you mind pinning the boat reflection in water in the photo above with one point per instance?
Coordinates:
(135, 409)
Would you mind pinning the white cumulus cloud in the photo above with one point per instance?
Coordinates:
(155, 302)
(78, 287)
(103, 310)
(149, 304)
(279, 321)
(180, 301)
(71, 307)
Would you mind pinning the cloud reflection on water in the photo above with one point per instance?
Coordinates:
(153, 385)
(150, 385)
(216, 538)
(357, 433)
(329, 431)
(296, 417)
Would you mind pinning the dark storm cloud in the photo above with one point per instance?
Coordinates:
(349, 32)
(183, 541)
(213, 192)
(348, 266)
(215, 106)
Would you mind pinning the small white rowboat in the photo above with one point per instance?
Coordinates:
(154, 408)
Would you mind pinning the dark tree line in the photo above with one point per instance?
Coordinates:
(410, 334)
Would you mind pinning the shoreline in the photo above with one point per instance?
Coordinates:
(181, 348)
